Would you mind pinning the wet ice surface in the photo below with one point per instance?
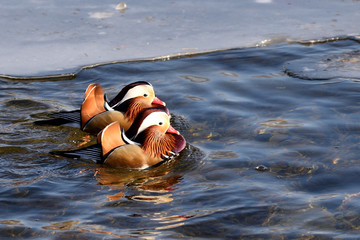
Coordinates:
(271, 155)
(51, 37)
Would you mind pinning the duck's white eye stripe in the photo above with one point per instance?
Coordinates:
(154, 118)
(137, 91)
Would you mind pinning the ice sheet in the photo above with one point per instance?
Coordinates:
(41, 37)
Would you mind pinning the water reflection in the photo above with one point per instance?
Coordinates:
(154, 185)
(147, 181)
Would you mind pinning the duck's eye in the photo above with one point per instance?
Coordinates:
(145, 95)
(161, 123)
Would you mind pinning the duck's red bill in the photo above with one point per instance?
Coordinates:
(158, 101)
(172, 130)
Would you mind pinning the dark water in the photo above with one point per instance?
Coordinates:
(274, 139)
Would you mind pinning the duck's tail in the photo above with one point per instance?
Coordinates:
(61, 118)
(92, 152)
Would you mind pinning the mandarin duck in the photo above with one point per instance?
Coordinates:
(96, 112)
(149, 141)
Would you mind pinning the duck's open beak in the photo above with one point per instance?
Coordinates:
(158, 101)
(172, 130)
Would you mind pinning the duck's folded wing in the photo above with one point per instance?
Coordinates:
(93, 104)
(110, 138)
(89, 89)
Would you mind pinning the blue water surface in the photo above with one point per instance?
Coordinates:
(273, 150)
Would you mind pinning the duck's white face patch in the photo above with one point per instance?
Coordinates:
(146, 91)
(155, 119)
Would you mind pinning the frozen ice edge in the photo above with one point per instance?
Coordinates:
(69, 74)
(57, 38)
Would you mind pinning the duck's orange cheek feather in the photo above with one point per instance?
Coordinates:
(135, 106)
(156, 146)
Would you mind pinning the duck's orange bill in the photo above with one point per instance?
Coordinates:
(172, 130)
(158, 101)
